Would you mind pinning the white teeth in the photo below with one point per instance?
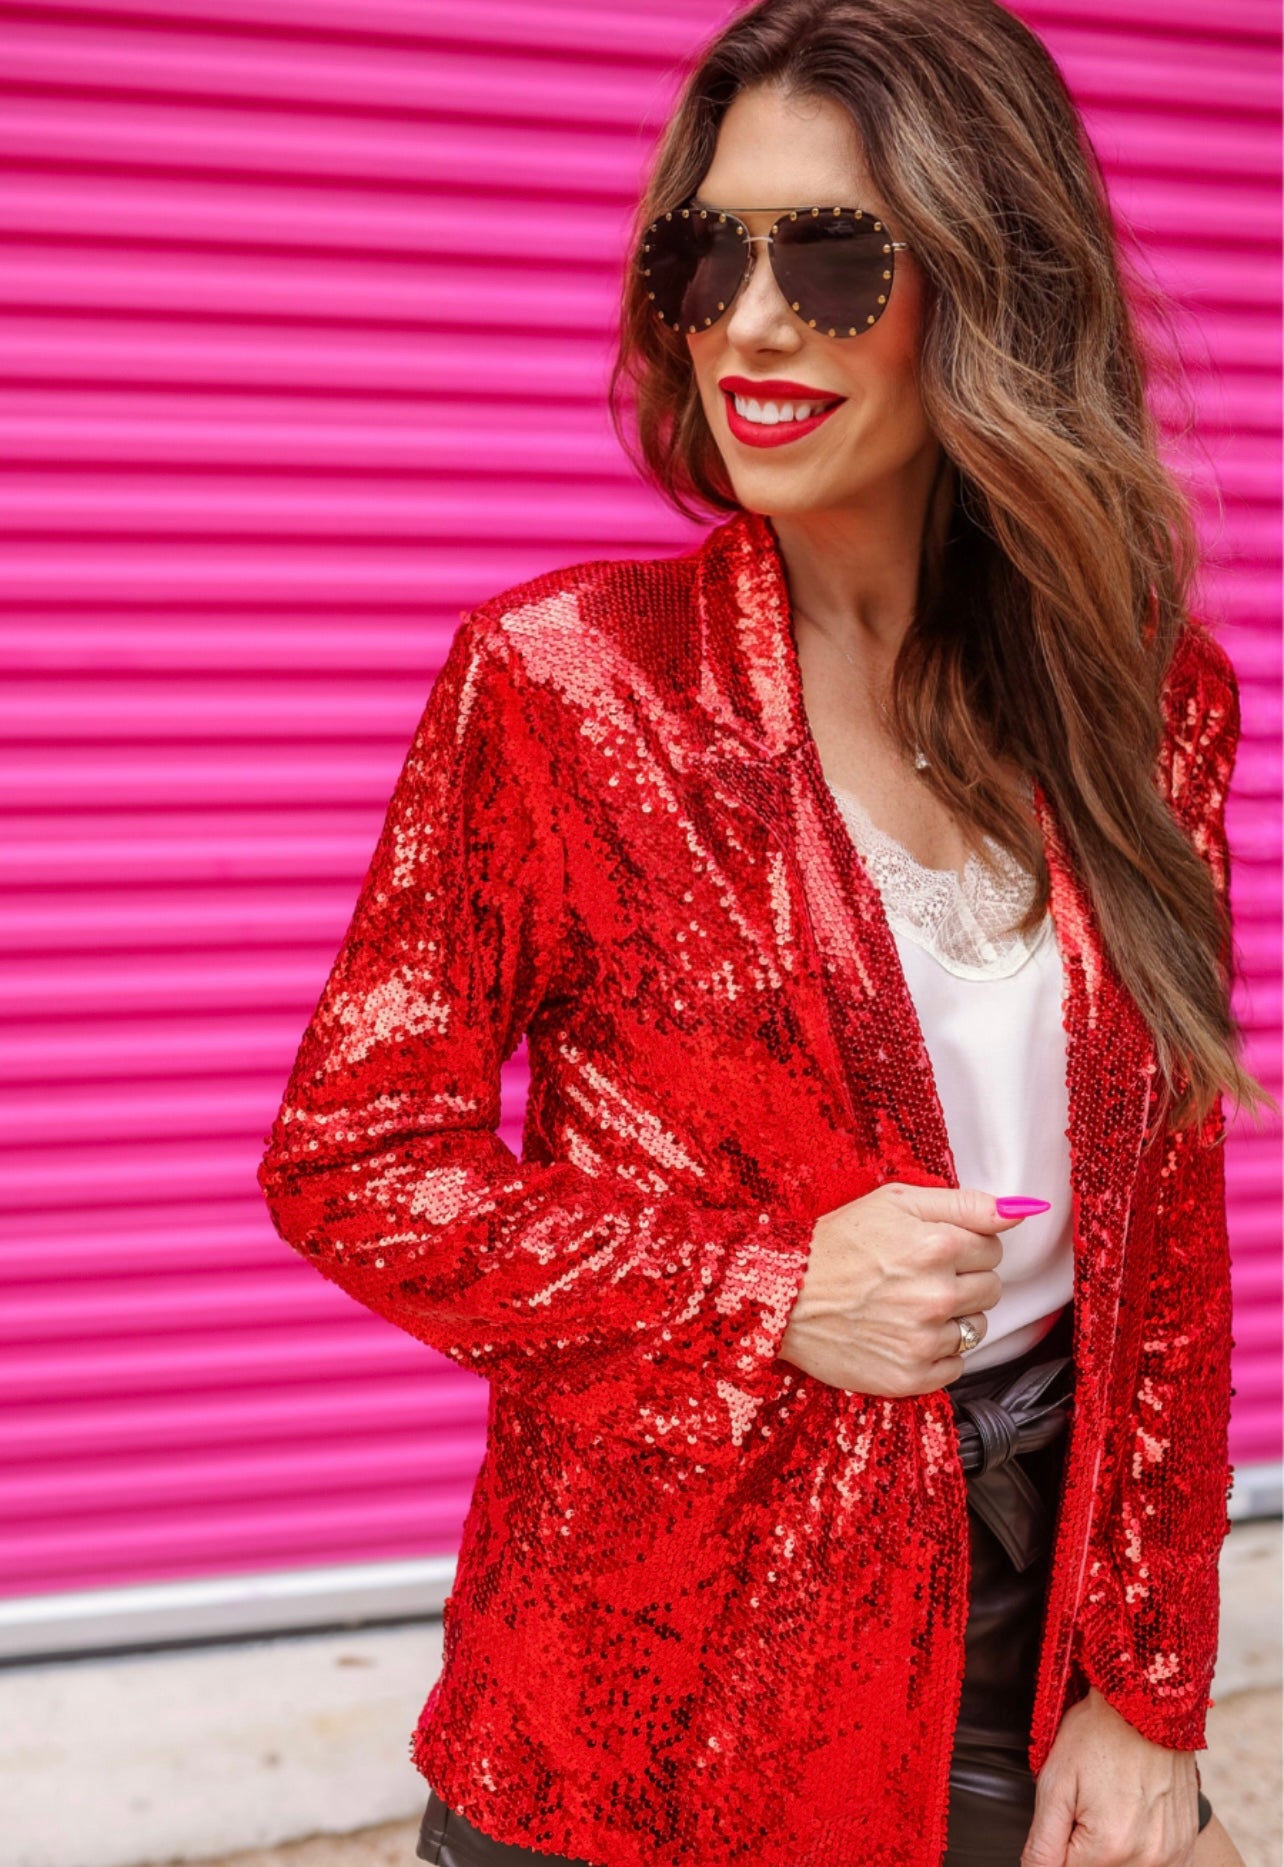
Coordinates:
(769, 413)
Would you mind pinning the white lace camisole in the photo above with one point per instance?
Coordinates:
(989, 1004)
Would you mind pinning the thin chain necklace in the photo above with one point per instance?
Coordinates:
(921, 760)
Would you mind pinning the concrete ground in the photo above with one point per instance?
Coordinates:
(1241, 1775)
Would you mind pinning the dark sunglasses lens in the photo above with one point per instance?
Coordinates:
(692, 264)
(835, 269)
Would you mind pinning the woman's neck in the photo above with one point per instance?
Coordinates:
(853, 571)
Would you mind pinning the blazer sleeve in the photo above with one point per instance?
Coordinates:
(652, 1320)
(1148, 1641)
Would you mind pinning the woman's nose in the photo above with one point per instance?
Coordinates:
(760, 305)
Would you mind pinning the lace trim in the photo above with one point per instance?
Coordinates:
(966, 922)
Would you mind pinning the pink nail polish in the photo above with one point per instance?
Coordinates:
(1018, 1207)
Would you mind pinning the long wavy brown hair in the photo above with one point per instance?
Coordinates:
(1045, 624)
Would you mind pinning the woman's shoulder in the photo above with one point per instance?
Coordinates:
(627, 616)
(1200, 669)
(606, 584)
(1201, 716)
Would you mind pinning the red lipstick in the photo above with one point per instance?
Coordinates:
(774, 389)
(777, 389)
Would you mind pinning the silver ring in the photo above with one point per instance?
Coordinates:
(968, 1338)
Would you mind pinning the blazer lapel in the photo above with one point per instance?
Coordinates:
(760, 755)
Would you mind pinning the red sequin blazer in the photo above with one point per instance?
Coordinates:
(709, 1609)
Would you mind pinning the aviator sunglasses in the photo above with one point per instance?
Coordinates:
(833, 264)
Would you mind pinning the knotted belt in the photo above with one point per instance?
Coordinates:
(997, 1418)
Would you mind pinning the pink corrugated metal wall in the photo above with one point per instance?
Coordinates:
(305, 330)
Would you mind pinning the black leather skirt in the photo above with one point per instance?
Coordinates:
(1012, 1424)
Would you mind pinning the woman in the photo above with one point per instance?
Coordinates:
(898, 801)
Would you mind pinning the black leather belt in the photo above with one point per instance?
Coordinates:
(1000, 1413)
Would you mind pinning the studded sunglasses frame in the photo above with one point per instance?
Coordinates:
(692, 207)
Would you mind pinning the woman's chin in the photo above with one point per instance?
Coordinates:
(789, 494)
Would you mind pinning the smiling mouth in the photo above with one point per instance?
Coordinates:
(776, 422)
(772, 413)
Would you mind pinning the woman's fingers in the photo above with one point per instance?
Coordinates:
(974, 1290)
(1048, 1841)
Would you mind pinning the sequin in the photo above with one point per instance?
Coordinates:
(708, 1609)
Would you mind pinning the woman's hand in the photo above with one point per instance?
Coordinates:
(887, 1275)
(1108, 1797)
